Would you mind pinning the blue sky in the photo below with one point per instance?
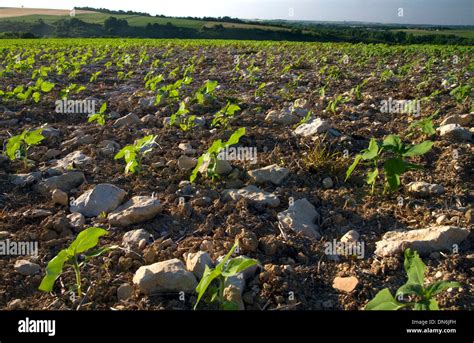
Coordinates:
(442, 12)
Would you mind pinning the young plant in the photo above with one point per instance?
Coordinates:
(386, 75)
(222, 117)
(72, 88)
(133, 154)
(334, 103)
(461, 93)
(176, 117)
(72, 256)
(425, 126)
(357, 90)
(304, 120)
(393, 153)
(213, 280)
(34, 92)
(415, 286)
(205, 94)
(100, 116)
(171, 91)
(17, 146)
(94, 76)
(210, 156)
(152, 81)
(186, 123)
(259, 90)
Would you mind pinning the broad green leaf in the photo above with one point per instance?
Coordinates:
(211, 86)
(99, 117)
(53, 270)
(354, 164)
(216, 146)
(231, 109)
(394, 143)
(36, 97)
(439, 286)
(199, 98)
(145, 141)
(414, 267)
(433, 305)
(18, 89)
(384, 301)
(235, 137)
(238, 264)
(372, 176)
(13, 145)
(86, 240)
(123, 151)
(34, 137)
(393, 168)
(46, 86)
(103, 107)
(419, 149)
(371, 151)
(410, 288)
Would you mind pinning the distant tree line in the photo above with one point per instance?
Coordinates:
(114, 27)
(105, 10)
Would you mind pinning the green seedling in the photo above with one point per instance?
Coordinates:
(333, 104)
(187, 122)
(206, 92)
(33, 92)
(100, 116)
(94, 76)
(386, 75)
(425, 126)
(121, 75)
(222, 117)
(228, 267)
(152, 81)
(392, 152)
(461, 93)
(422, 297)
(210, 156)
(133, 154)
(72, 88)
(180, 119)
(18, 146)
(181, 112)
(304, 120)
(171, 91)
(357, 90)
(259, 90)
(76, 255)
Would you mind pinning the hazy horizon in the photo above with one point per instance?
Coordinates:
(426, 12)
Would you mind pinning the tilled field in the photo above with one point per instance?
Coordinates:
(307, 110)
